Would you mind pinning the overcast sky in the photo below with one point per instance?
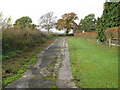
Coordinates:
(36, 8)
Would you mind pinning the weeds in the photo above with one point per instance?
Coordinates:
(17, 41)
(13, 68)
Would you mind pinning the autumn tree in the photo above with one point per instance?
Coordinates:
(47, 21)
(67, 22)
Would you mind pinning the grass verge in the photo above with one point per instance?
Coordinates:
(93, 65)
(14, 68)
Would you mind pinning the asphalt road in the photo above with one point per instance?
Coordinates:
(51, 70)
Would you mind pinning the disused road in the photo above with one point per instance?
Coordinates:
(52, 69)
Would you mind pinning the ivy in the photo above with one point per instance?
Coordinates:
(109, 19)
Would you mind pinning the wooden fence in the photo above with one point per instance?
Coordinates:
(114, 42)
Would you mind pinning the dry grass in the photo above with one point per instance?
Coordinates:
(15, 41)
(20, 48)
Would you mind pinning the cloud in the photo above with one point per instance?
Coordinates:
(36, 8)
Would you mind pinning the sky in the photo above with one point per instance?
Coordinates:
(36, 8)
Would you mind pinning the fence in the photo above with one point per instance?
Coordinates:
(114, 42)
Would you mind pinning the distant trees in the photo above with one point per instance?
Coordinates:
(24, 22)
(67, 22)
(88, 23)
(47, 21)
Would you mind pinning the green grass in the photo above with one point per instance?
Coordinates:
(53, 87)
(46, 78)
(11, 54)
(93, 65)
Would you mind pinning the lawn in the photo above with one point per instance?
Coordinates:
(93, 65)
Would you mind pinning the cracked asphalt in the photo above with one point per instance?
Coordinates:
(51, 70)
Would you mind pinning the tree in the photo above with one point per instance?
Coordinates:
(47, 21)
(5, 23)
(88, 23)
(60, 24)
(1, 20)
(24, 22)
(33, 26)
(67, 22)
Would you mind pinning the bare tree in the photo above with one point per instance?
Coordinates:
(8, 22)
(47, 21)
(1, 20)
(5, 23)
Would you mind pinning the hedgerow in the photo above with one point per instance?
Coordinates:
(15, 41)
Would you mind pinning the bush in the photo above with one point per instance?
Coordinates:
(20, 40)
(112, 33)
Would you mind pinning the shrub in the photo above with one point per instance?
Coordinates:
(112, 33)
(20, 40)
